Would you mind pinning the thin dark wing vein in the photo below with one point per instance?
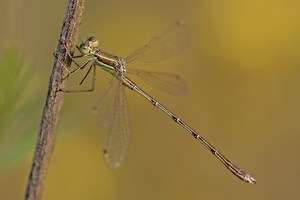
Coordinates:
(171, 41)
(169, 83)
(118, 136)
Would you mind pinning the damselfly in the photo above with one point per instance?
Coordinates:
(112, 110)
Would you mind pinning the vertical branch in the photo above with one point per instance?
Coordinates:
(49, 123)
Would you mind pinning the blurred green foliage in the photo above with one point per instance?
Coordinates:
(19, 107)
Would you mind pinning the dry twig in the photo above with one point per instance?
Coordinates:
(49, 123)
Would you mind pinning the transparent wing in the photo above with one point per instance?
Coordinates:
(103, 109)
(166, 44)
(170, 83)
(118, 135)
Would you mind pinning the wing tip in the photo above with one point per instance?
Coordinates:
(111, 165)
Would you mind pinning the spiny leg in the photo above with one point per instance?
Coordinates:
(75, 70)
(81, 82)
(73, 60)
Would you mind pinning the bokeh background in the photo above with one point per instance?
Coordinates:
(242, 69)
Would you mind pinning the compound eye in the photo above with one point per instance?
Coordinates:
(93, 41)
(84, 49)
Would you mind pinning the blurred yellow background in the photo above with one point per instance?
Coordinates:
(242, 69)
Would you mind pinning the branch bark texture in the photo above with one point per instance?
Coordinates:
(50, 118)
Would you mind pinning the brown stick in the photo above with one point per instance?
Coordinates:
(49, 123)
